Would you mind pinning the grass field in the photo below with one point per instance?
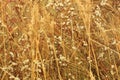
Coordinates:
(59, 39)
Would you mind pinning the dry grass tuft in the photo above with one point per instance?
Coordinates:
(59, 40)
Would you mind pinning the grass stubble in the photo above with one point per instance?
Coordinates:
(59, 40)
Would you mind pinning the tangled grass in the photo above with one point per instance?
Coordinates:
(59, 40)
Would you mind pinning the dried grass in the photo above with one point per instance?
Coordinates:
(59, 40)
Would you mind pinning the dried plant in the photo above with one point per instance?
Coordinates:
(59, 40)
